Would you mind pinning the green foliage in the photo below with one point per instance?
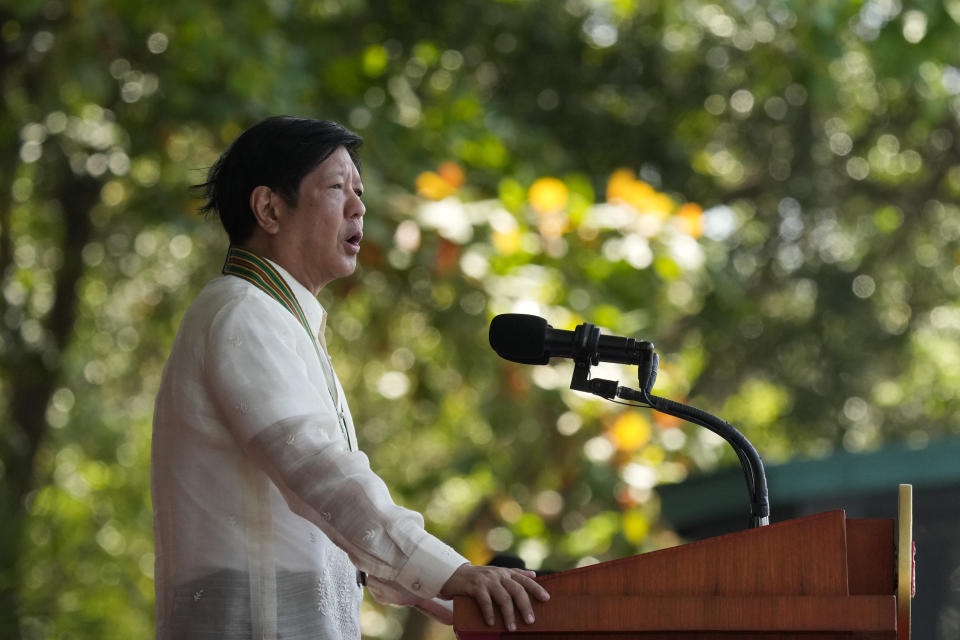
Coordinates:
(812, 303)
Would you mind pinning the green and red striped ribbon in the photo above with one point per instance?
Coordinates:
(261, 274)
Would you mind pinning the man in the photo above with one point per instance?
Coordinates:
(267, 517)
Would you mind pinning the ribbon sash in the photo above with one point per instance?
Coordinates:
(261, 274)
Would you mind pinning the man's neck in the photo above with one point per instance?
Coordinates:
(265, 249)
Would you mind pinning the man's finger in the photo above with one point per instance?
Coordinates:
(519, 594)
(482, 599)
(534, 587)
(505, 599)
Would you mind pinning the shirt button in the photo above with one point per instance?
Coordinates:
(416, 585)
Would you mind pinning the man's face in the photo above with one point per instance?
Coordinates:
(322, 233)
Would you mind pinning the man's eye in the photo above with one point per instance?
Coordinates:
(336, 186)
(359, 192)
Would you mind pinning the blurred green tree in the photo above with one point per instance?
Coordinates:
(520, 155)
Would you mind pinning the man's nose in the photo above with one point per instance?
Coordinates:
(356, 208)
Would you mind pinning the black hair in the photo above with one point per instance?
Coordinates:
(278, 153)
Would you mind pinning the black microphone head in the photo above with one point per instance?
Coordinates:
(507, 560)
(519, 337)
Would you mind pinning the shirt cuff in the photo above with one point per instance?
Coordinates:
(429, 567)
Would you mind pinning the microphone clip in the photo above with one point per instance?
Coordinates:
(586, 343)
(586, 340)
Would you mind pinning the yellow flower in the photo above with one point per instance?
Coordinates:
(433, 187)
(452, 174)
(660, 204)
(548, 195)
(618, 184)
(689, 219)
(636, 526)
(623, 187)
(507, 242)
(630, 431)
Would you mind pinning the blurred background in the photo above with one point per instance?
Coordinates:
(767, 190)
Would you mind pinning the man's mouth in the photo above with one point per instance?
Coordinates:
(353, 242)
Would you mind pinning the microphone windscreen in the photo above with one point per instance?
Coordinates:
(519, 337)
(507, 560)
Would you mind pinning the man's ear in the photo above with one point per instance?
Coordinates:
(263, 203)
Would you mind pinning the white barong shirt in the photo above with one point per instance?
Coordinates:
(262, 514)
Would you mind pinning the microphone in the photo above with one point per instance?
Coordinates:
(527, 339)
(507, 560)
(530, 340)
(514, 562)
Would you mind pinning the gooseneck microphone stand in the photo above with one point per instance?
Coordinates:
(586, 338)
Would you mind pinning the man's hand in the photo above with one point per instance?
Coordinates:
(510, 589)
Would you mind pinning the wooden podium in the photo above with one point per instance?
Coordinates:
(819, 577)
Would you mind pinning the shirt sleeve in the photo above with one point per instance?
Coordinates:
(393, 594)
(261, 386)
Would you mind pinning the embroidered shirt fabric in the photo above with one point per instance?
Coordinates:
(262, 515)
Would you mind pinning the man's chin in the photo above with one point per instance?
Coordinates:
(349, 266)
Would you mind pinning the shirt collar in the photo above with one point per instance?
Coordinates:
(315, 313)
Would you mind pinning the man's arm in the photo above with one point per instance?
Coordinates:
(510, 589)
